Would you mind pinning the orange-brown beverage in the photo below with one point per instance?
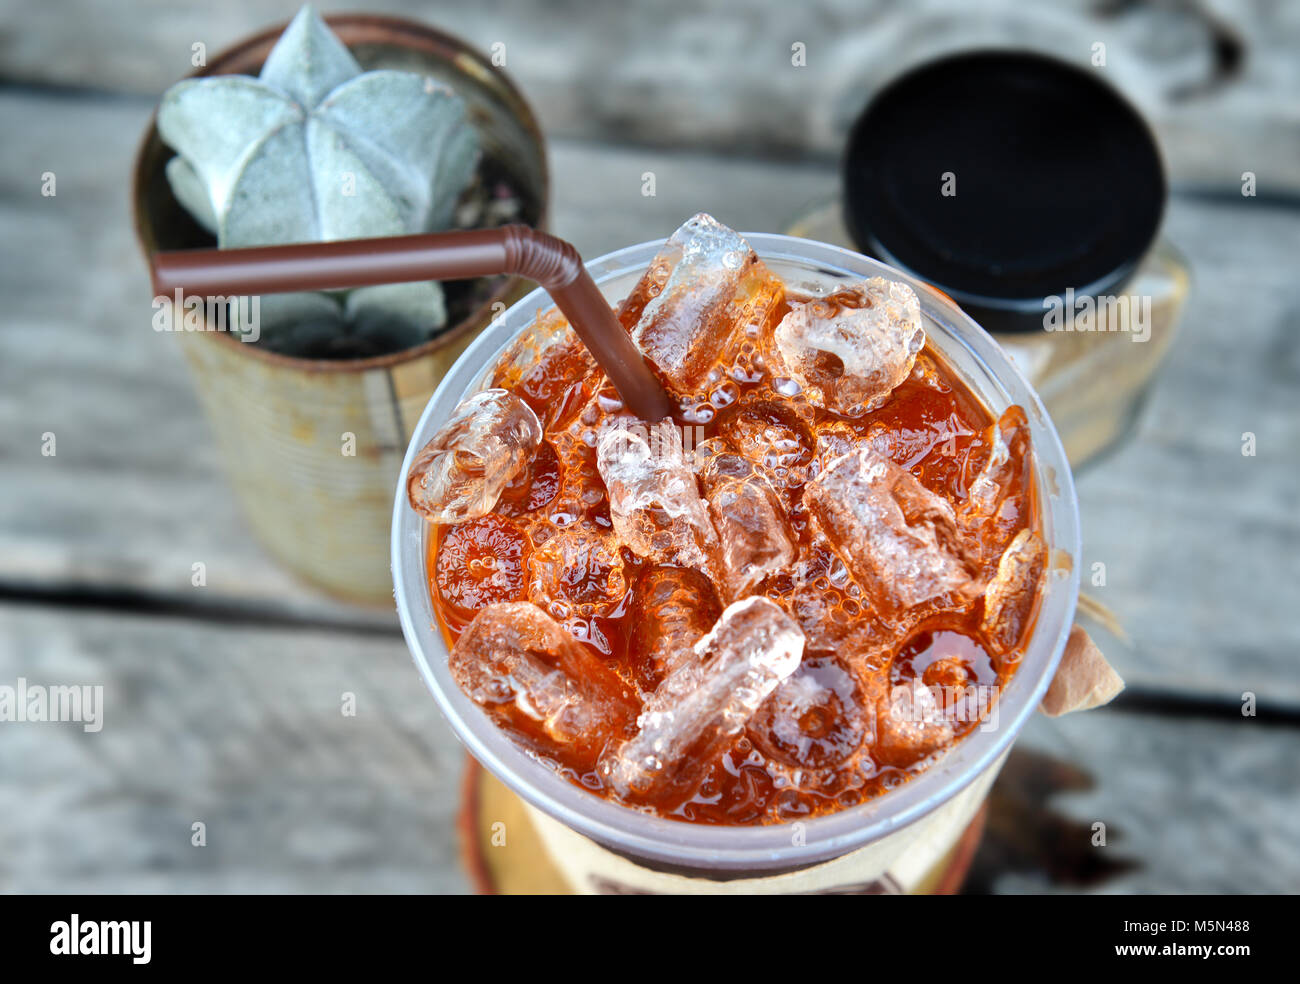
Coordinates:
(789, 599)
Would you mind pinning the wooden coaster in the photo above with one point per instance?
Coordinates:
(499, 847)
(503, 855)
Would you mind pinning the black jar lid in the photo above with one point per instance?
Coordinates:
(1054, 182)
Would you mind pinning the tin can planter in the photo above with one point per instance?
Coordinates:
(313, 447)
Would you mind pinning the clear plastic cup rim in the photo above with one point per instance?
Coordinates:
(995, 379)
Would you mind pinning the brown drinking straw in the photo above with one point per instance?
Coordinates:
(514, 249)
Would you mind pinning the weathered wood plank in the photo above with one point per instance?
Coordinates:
(681, 74)
(133, 496)
(1199, 542)
(242, 729)
(1189, 805)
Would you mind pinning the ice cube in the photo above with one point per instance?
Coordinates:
(486, 442)
(817, 610)
(516, 662)
(581, 496)
(815, 719)
(754, 535)
(550, 367)
(897, 538)
(996, 502)
(911, 723)
(671, 609)
(577, 573)
(654, 502)
(706, 283)
(1008, 441)
(535, 486)
(834, 622)
(704, 704)
(772, 436)
(480, 562)
(1009, 597)
(836, 438)
(848, 350)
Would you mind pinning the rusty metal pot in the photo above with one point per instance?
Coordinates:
(313, 448)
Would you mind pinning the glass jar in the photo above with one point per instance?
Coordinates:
(1092, 369)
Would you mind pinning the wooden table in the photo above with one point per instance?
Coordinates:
(223, 701)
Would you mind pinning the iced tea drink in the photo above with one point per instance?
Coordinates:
(786, 601)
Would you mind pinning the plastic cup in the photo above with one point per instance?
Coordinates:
(731, 852)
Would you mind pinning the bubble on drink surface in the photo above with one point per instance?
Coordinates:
(898, 539)
(706, 283)
(671, 609)
(459, 475)
(1010, 596)
(526, 671)
(815, 719)
(850, 349)
(654, 503)
(577, 572)
(704, 704)
(754, 534)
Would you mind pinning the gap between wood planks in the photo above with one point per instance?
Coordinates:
(128, 601)
(96, 599)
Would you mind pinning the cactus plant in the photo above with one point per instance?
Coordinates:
(315, 148)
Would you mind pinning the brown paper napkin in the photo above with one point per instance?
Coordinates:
(1083, 680)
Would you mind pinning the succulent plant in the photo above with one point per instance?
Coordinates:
(315, 148)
